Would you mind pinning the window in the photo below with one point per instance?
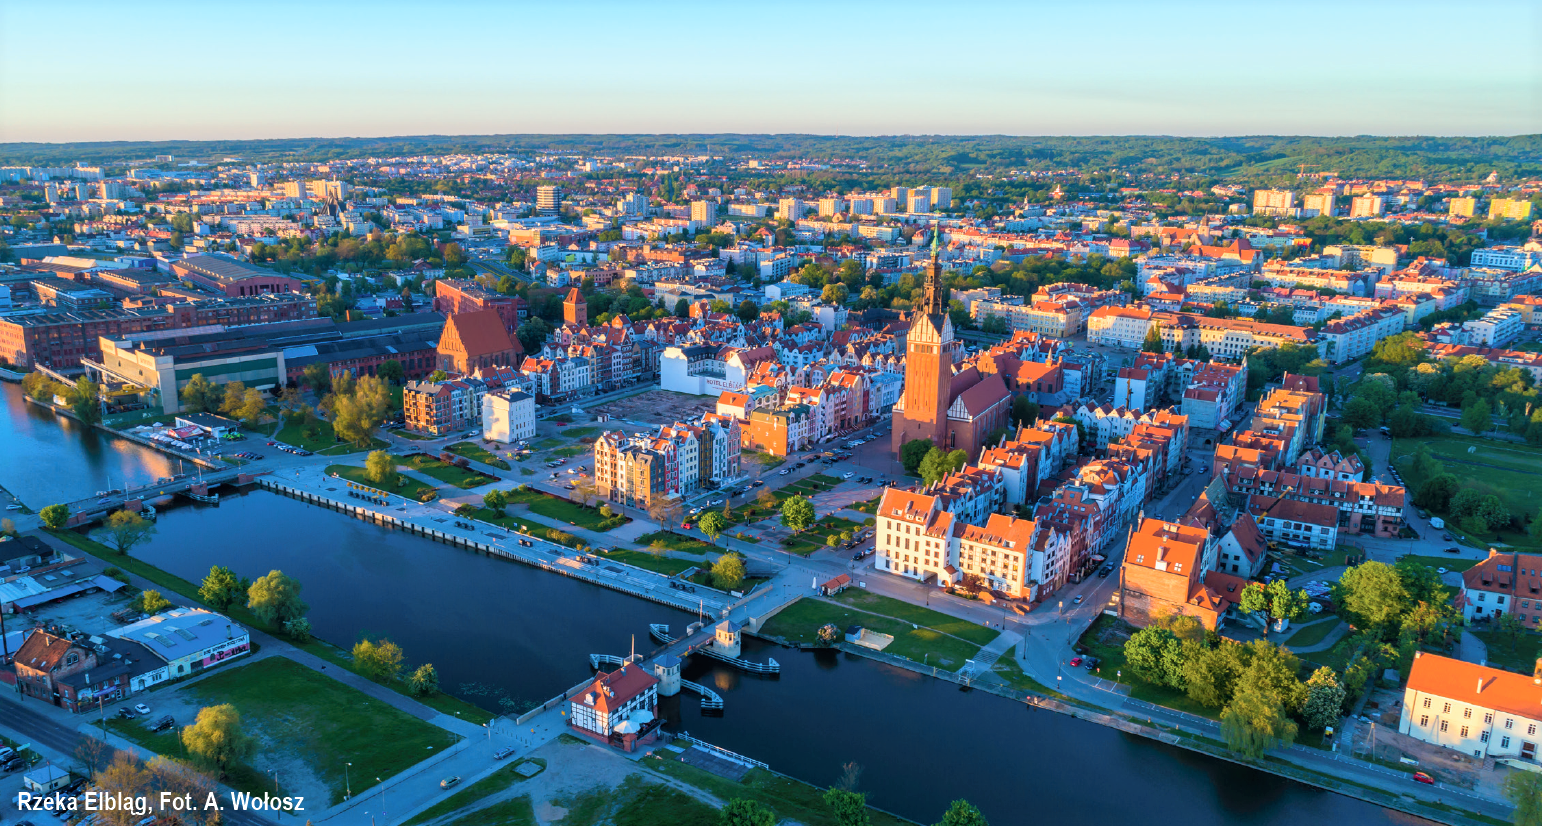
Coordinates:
(1467, 713)
(1426, 702)
(1509, 722)
(1443, 725)
(1483, 737)
(1447, 709)
(1464, 732)
(1488, 718)
(1531, 729)
(1424, 720)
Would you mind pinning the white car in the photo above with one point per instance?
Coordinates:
(847, 475)
(141, 708)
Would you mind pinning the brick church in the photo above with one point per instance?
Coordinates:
(955, 408)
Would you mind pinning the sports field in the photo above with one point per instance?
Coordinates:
(1510, 470)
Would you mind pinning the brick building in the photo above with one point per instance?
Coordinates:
(477, 339)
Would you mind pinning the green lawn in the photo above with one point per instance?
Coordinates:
(870, 506)
(311, 714)
(648, 562)
(765, 460)
(801, 621)
(408, 487)
(677, 542)
(324, 442)
(533, 528)
(1509, 470)
(572, 451)
(1336, 658)
(565, 510)
(240, 776)
(1314, 633)
(791, 800)
(581, 432)
(477, 453)
(547, 444)
(514, 812)
(1512, 654)
(916, 614)
(435, 468)
(1450, 563)
(1112, 667)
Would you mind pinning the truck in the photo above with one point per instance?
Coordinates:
(1437, 522)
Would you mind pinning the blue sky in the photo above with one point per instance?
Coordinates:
(162, 70)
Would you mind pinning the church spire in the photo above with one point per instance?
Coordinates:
(933, 303)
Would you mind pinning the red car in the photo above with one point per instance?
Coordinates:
(1421, 777)
(1076, 661)
(685, 526)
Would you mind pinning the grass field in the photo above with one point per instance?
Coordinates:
(295, 708)
(486, 787)
(677, 542)
(581, 432)
(1314, 633)
(920, 634)
(408, 487)
(1517, 654)
(791, 800)
(477, 453)
(564, 510)
(1509, 470)
(1450, 563)
(239, 776)
(547, 444)
(668, 566)
(435, 468)
(537, 529)
(324, 442)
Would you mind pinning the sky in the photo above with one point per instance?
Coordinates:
(81, 70)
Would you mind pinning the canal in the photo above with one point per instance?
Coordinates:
(502, 634)
(47, 458)
(497, 629)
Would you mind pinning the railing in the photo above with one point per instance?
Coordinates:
(661, 633)
(597, 660)
(722, 752)
(710, 700)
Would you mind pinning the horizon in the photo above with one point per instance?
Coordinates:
(1114, 69)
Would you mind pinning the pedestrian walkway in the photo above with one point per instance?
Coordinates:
(1340, 631)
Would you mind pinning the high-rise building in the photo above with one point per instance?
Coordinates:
(1322, 203)
(1367, 206)
(704, 213)
(633, 204)
(548, 200)
(942, 197)
(1511, 209)
(1273, 201)
(1464, 207)
(919, 201)
(832, 206)
(789, 208)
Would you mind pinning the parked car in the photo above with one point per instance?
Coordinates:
(1453, 550)
(164, 723)
(141, 708)
(1076, 662)
(502, 754)
(1447, 537)
(847, 475)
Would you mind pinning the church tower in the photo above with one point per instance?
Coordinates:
(922, 412)
(574, 309)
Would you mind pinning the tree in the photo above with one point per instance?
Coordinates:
(232, 396)
(1524, 790)
(93, 755)
(125, 529)
(275, 599)
(1324, 699)
(1211, 674)
(318, 376)
(744, 812)
(251, 408)
(728, 572)
(438, 376)
(379, 661)
(124, 775)
(1255, 722)
(1025, 411)
(1361, 413)
(766, 498)
(1510, 627)
(358, 410)
(835, 293)
(55, 516)
(198, 396)
(1153, 342)
(424, 681)
(683, 308)
(7, 527)
(150, 602)
(392, 371)
(1276, 601)
(1150, 652)
(938, 463)
(380, 468)
(962, 813)
(1371, 595)
(495, 501)
(1436, 491)
(748, 312)
(532, 334)
(216, 739)
(912, 452)
(849, 808)
(1478, 417)
(584, 491)
(797, 513)
(86, 401)
(712, 524)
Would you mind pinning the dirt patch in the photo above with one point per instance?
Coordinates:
(656, 406)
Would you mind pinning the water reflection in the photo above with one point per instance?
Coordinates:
(47, 458)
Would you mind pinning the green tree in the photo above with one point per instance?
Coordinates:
(125, 529)
(1371, 595)
(849, 808)
(912, 452)
(55, 516)
(1025, 411)
(797, 513)
(1435, 492)
(532, 335)
(745, 812)
(1362, 413)
(150, 602)
(232, 396)
(392, 371)
(199, 396)
(216, 739)
(379, 661)
(423, 681)
(380, 468)
(835, 293)
(1210, 675)
(1524, 790)
(962, 813)
(1477, 417)
(251, 408)
(683, 308)
(86, 401)
(221, 588)
(318, 376)
(495, 501)
(1255, 721)
(1153, 342)
(748, 312)
(939, 463)
(1149, 653)
(712, 523)
(1324, 699)
(728, 572)
(275, 598)
(1510, 627)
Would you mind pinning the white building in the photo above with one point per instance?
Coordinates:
(188, 639)
(1473, 709)
(508, 416)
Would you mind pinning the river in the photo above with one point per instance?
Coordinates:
(502, 633)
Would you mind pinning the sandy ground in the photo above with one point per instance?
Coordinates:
(658, 407)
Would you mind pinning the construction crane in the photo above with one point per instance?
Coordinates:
(1301, 171)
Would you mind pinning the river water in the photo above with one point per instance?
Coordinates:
(47, 458)
(502, 633)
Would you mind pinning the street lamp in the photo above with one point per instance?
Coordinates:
(346, 782)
